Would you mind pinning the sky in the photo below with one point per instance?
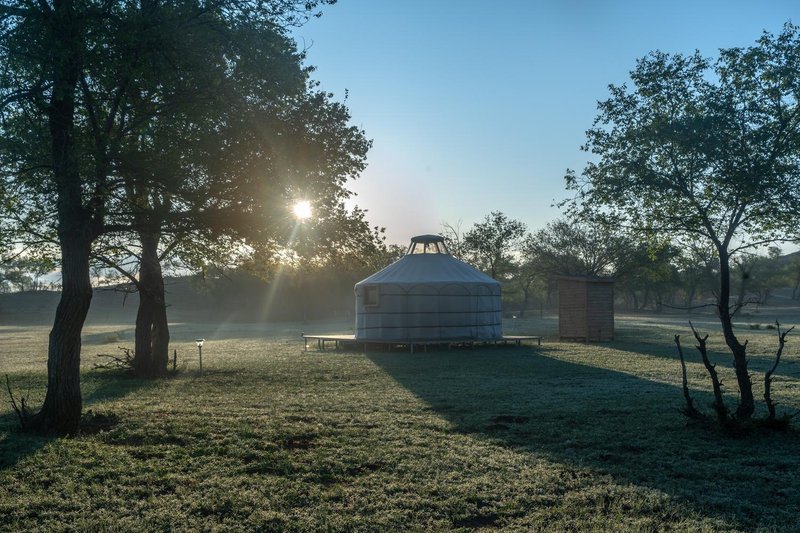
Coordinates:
(479, 106)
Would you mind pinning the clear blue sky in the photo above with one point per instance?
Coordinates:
(475, 106)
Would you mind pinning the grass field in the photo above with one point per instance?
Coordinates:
(558, 437)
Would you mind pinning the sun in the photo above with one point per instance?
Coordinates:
(302, 209)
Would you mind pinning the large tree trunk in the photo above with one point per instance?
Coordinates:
(161, 333)
(143, 351)
(739, 351)
(151, 352)
(61, 411)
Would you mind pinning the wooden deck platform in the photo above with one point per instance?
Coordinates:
(341, 341)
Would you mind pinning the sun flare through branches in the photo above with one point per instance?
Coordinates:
(302, 209)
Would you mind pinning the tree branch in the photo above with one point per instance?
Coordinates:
(21, 409)
(719, 403)
(690, 410)
(113, 264)
(768, 376)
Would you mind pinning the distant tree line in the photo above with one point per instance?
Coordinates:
(26, 274)
(650, 276)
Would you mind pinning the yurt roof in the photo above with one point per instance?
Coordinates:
(428, 268)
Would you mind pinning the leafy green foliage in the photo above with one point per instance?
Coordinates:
(181, 108)
(24, 274)
(650, 272)
(135, 120)
(702, 150)
(572, 248)
(490, 244)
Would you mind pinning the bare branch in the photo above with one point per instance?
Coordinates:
(719, 403)
(21, 409)
(113, 264)
(690, 410)
(768, 376)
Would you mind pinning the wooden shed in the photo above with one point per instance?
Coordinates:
(586, 308)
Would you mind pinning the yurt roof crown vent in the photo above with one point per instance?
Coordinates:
(427, 244)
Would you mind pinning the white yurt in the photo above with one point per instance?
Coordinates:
(428, 295)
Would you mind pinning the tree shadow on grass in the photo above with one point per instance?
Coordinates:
(611, 423)
(15, 444)
(104, 385)
(98, 386)
(639, 341)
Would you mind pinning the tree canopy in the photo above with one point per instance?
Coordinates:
(702, 149)
(191, 118)
(571, 248)
(490, 244)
